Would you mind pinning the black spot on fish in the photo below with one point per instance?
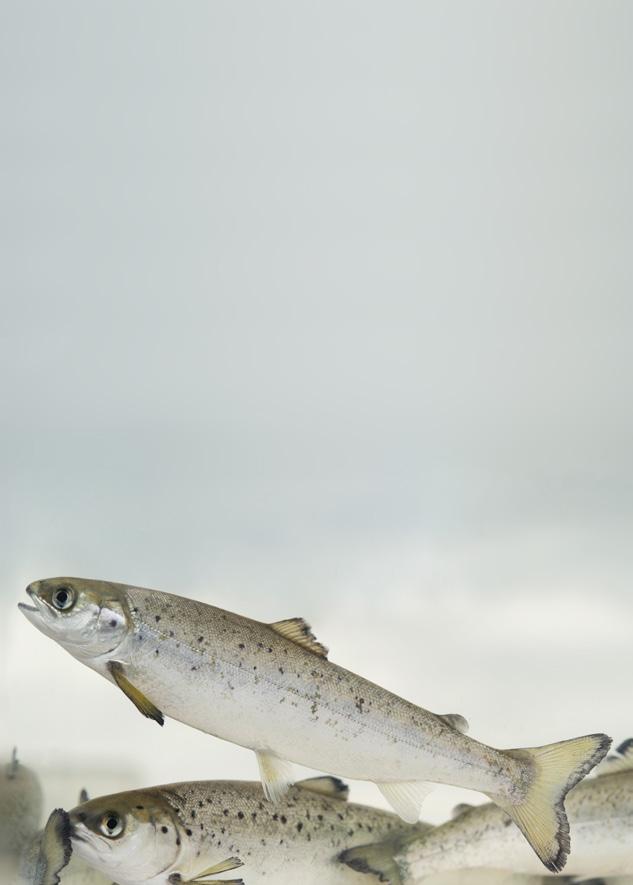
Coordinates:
(140, 808)
(226, 812)
(157, 618)
(240, 814)
(193, 814)
(299, 827)
(189, 832)
(194, 668)
(200, 638)
(241, 645)
(164, 830)
(283, 819)
(113, 622)
(171, 634)
(281, 670)
(178, 840)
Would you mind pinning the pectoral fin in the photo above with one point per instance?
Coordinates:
(275, 774)
(202, 878)
(142, 704)
(406, 798)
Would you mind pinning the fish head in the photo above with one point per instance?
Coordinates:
(88, 618)
(131, 837)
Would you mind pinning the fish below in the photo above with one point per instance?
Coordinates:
(481, 838)
(271, 688)
(187, 833)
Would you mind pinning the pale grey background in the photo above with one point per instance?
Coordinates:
(321, 309)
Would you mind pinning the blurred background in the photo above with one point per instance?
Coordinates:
(320, 310)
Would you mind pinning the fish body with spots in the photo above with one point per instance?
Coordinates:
(600, 813)
(271, 688)
(183, 832)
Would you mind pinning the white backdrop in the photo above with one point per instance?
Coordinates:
(321, 310)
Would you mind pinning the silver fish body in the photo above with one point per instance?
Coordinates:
(271, 688)
(182, 830)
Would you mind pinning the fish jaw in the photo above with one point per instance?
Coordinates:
(33, 613)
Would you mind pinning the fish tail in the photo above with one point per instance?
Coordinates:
(377, 859)
(556, 768)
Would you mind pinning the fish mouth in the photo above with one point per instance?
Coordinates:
(23, 606)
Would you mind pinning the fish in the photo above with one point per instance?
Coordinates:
(193, 833)
(600, 811)
(21, 807)
(272, 688)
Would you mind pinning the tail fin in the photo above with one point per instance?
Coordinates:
(376, 859)
(556, 769)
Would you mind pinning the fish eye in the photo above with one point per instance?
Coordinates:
(111, 824)
(63, 598)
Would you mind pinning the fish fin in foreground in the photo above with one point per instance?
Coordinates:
(202, 878)
(620, 760)
(406, 797)
(299, 631)
(142, 704)
(332, 787)
(376, 859)
(556, 769)
(276, 775)
(55, 849)
(459, 723)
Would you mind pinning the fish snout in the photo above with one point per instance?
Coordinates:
(32, 593)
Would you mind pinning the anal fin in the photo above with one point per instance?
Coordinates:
(406, 797)
(276, 775)
(142, 704)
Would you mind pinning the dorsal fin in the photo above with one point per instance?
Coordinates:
(14, 764)
(620, 760)
(297, 630)
(460, 809)
(459, 723)
(83, 795)
(329, 786)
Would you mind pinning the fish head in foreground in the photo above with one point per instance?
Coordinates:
(88, 618)
(133, 837)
